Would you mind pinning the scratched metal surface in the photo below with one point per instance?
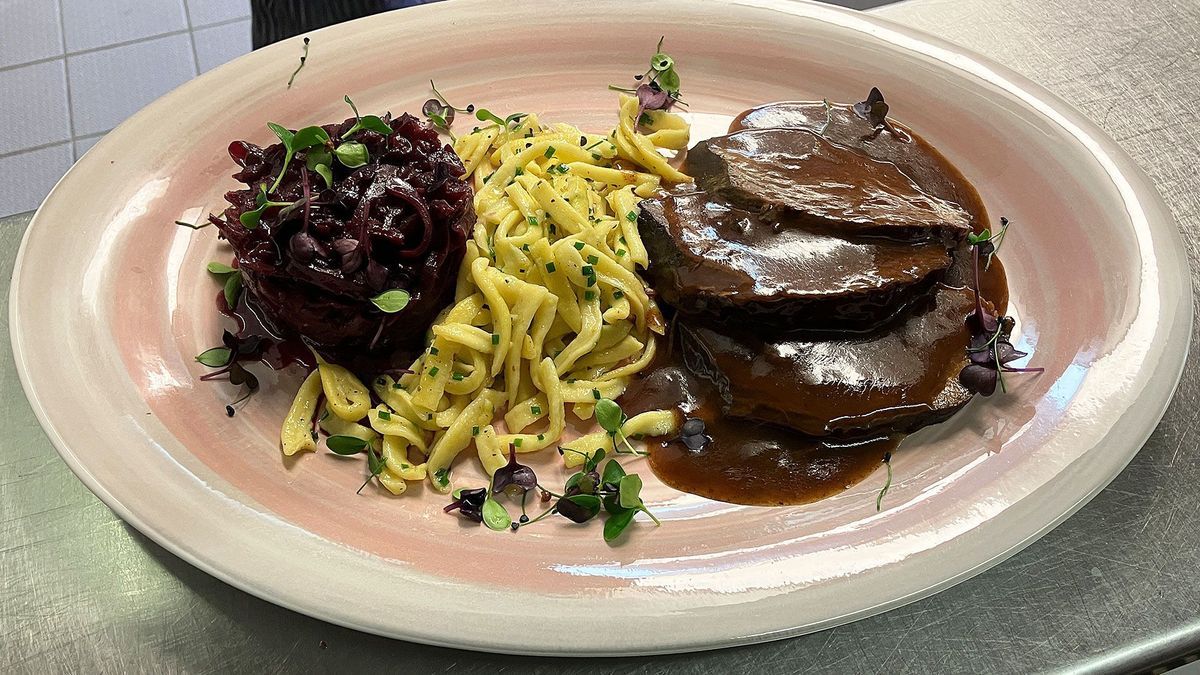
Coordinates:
(1114, 588)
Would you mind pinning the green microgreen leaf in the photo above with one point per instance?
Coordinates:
(318, 155)
(284, 135)
(589, 503)
(346, 445)
(608, 415)
(669, 81)
(593, 460)
(375, 464)
(219, 268)
(325, 173)
(613, 473)
(616, 524)
(216, 357)
(485, 115)
(251, 219)
(630, 491)
(575, 480)
(287, 138)
(370, 122)
(438, 121)
(392, 301)
(233, 288)
(309, 137)
(376, 124)
(352, 154)
(346, 98)
(495, 516)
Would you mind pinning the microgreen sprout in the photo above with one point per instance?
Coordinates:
(368, 122)
(828, 116)
(231, 280)
(303, 59)
(439, 111)
(485, 115)
(658, 87)
(991, 349)
(887, 461)
(585, 495)
(320, 153)
(610, 417)
(226, 359)
(376, 463)
(874, 110)
(194, 226)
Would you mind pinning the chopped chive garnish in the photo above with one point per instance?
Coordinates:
(532, 221)
(549, 152)
(620, 252)
(579, 246)
(617, 295)
(520, 171)
(385, 415)
(474, 431)
(433, 371)
(589, 296)
(536, 410)
(631, 216)
(457, 377)
(541, 437)
(495, 338)
(587, 270)
(592, 260)
(433, 351)
(550, 267)
(591, 281)
(596, 394)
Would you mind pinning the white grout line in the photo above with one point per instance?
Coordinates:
(117, 44)
(35, 148)
(187, 15)
(62, 27)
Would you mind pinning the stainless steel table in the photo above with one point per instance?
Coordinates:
(1114, 588)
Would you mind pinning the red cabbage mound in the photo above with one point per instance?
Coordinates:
(399, 222)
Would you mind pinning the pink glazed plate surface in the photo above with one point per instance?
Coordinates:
(110, 301)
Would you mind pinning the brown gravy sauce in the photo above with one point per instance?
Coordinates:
(755, 463)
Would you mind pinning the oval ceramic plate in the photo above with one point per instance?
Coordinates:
(110, 302)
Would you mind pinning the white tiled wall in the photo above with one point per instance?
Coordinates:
(71, 70)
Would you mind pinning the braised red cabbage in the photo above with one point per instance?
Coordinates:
(401, 221)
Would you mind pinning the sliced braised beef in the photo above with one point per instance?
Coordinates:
(798, 174)
(896, 380)
(711, 258)
(913, 156)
